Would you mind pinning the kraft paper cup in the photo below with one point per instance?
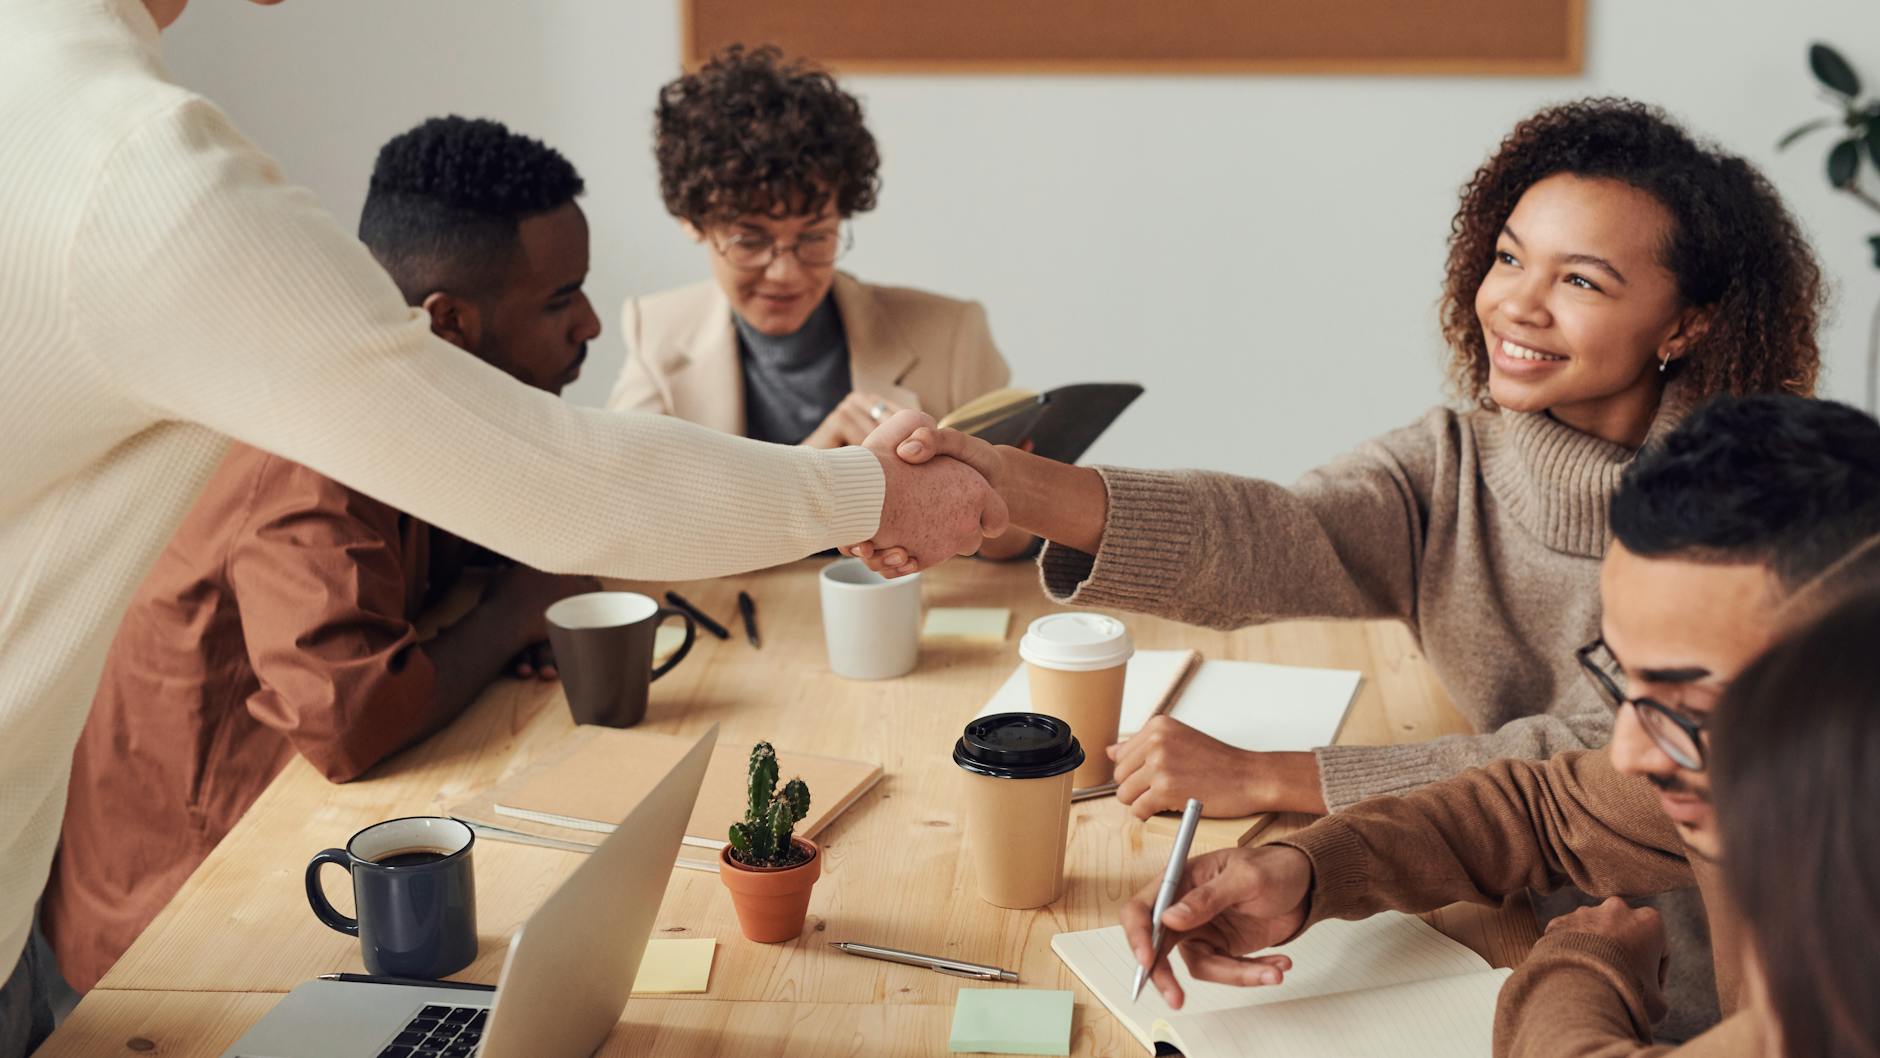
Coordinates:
(1016, 770)
(1077, 663)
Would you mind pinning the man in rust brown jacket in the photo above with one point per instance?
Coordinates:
(1749, 512)
(282, 618)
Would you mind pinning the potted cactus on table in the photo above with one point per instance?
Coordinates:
(769, 871)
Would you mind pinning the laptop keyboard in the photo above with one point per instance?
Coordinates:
(440, 1032)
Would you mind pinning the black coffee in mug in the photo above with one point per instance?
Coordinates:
(415, 894)
(411, 857)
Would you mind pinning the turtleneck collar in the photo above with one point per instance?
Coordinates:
(809, 344)
(1556, 481)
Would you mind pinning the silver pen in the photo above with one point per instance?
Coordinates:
(932, 962)
(1177, 858)
(1087, 793)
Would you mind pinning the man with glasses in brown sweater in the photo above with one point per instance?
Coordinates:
(1750, 512)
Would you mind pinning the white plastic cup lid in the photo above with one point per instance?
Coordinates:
(1076, 642)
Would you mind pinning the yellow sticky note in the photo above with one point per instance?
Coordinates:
(676, 965)
(977, 624)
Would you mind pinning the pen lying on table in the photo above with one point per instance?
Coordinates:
(931, 962)
(704, 620)
(380, 979)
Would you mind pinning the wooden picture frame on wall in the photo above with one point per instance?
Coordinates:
(1539, 38)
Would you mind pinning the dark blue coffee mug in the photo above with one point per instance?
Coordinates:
(415, 894)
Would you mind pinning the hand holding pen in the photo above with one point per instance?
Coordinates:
(1226, 904)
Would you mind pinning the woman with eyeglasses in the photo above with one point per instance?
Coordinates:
(1796, 790)
(764, 162)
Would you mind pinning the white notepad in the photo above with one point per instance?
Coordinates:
(1390, 985)
(1246, 704)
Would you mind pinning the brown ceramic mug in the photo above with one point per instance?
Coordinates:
(603, 644)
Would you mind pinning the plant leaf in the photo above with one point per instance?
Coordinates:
(1844, 163)
(1872, 136)
(1832, 70)
(1802, 130)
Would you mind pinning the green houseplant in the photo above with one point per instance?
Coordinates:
(769, 871)
(1856, 147)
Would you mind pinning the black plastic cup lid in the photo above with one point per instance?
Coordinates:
(1018, 746)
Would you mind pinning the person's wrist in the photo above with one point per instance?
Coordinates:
(1290, 781)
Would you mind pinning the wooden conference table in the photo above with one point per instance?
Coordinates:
(240, 933)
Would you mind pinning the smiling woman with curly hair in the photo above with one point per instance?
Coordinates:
(1738, 264)
(1606, 273)
(764, 161)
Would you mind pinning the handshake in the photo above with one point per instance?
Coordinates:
(942, 495)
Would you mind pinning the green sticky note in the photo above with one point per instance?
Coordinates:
(1011, 1021)
(974, 624)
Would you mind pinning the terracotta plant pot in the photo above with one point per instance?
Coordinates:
(771, 901)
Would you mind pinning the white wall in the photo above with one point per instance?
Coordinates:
(1263, 253)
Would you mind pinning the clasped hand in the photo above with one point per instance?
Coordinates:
(931, 511)
(911, 441)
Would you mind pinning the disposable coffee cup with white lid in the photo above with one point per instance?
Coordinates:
(1077, 663)
(1076, 642)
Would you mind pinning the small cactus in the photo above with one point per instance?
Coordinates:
(762, 839)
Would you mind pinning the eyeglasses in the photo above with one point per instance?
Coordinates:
(752, 251)
(1678, 735)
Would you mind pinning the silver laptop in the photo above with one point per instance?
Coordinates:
(565, 980)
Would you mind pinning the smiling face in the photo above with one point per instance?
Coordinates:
(1681, 630)
(1578, 308)
(776, 299)
(538, 326)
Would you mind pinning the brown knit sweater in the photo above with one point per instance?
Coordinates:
(1525, 824)
(1482, 531)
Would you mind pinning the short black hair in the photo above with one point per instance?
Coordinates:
(1783, 481)
(446, 197)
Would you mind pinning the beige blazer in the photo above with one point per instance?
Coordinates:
(916, 349)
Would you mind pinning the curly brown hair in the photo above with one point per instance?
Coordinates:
(1733, 246)
(751, 133)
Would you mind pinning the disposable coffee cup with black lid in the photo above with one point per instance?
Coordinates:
(1018, 746)
(1015, 787)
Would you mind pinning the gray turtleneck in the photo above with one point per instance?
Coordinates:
(792, 381)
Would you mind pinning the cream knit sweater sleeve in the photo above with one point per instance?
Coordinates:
(215, 293)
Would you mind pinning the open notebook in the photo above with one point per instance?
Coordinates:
(1247, 704)
(596, 775)
(1389, 986)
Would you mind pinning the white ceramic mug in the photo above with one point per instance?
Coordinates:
(870, 623)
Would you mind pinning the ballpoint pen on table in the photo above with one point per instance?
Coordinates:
(1177, 858)
(380, 979)
(956, 967)
(698, 615)
(1086, 793)
(748, 607)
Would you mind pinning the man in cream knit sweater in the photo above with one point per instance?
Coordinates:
(164, 290)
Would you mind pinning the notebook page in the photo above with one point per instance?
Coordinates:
(1333, 957)
(1449, 1017)
(1251, 705)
